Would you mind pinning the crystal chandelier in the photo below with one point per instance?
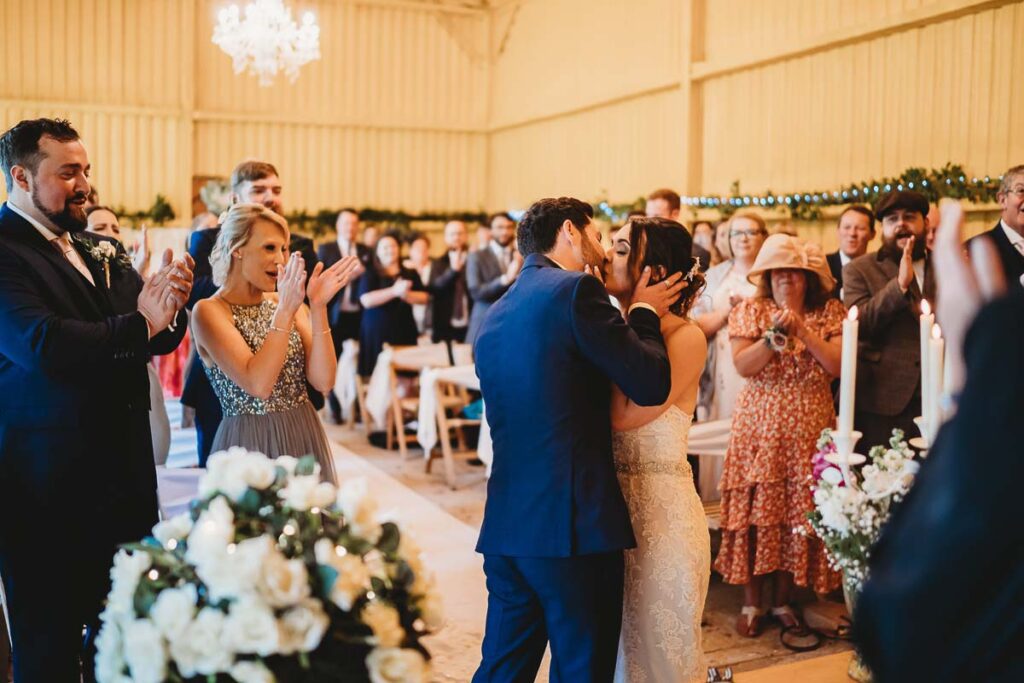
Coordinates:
(267, 40)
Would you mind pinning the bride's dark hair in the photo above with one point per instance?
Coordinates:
(667, 247)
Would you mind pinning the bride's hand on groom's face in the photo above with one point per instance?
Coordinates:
(659, 295)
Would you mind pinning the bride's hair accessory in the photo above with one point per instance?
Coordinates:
(694, 270)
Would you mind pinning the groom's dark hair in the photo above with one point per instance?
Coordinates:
(19, 146)
(538, 229)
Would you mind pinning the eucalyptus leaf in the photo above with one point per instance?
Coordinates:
(306, 466)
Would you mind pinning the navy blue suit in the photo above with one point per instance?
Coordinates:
(76, 455)
(197, 392)
(555, 521)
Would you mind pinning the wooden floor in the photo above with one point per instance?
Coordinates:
(826, 669)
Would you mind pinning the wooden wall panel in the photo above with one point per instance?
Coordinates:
(331, 166)
(620, 152)
(920, 97)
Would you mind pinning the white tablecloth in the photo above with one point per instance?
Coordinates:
(462, 375)
(378, 393)
(710, 438)
(345, 378)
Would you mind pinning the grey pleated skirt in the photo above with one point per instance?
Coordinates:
(295, 432)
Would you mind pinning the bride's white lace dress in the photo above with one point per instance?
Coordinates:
(667, 573)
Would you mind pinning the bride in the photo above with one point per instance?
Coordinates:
(667, 574)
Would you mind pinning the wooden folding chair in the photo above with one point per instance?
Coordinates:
(452, 398)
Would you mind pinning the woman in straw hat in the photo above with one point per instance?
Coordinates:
(787, 342)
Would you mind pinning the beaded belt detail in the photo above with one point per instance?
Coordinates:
(677, 468)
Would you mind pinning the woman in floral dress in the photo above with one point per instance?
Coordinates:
(779, 415)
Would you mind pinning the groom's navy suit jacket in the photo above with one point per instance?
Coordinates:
(76, 458)
(546, 357)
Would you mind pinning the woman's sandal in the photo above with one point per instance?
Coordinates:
(787, 618)
(748, 624)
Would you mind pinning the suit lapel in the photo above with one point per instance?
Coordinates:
(35, 246)
(99, 275)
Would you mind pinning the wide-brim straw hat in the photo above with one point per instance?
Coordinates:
(785, 251)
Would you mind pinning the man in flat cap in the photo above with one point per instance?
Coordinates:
(887, 287)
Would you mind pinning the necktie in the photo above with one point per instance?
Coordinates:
(63, 245)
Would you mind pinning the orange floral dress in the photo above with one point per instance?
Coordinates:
(779, 415)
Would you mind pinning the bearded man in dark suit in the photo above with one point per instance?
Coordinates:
(887, 287)
(77, 328)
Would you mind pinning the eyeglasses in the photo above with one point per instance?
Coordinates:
(1017, 192)
(746, 233)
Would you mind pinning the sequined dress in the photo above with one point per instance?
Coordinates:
(667, 574)
(283, 424)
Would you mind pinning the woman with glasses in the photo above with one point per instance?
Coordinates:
(727, 285)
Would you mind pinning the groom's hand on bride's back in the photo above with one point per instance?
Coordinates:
(658, 295)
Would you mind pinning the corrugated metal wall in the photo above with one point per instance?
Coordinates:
(392, 116)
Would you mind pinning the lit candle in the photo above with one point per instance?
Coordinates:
(848, 373)
(937, 347)
(926, 322)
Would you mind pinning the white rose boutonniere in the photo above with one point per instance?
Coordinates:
(104, 253)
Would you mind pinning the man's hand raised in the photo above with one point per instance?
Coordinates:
(659, 295)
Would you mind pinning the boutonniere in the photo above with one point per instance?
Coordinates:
(105, 253)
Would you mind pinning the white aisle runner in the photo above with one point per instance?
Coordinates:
(447, 545)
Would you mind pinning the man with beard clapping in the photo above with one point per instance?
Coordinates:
(887, 287)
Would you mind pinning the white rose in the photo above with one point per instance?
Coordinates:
(212, 533)
(353, 577)
(282, 582)
(173, 610)
(303, 627)
(383, 619)
(222, 474)
(303, 493)
(109, 654)
(107, 250)
(251, 672)
(124, 577)
(176, 528)
(251, 628)
(145, 651)
(198, 650)
(832, 475)
(257, 471)
(392, 665)
(233, 574)
(287, 462)
(359, 509)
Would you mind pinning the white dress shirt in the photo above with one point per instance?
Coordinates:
(1015, 239)
(61, 242)
(348, 297)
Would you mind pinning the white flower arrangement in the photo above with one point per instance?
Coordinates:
(849, 519)
(272, 576)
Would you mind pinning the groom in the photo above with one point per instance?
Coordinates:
(555, 523)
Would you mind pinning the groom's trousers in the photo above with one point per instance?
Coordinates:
(573, 602)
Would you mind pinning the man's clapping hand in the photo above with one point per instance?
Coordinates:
(166, 291)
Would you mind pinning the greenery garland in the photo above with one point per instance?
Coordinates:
(949, 181)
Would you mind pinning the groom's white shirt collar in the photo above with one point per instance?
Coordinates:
(48, 234)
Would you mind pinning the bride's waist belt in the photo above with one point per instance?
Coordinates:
(681, 469)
